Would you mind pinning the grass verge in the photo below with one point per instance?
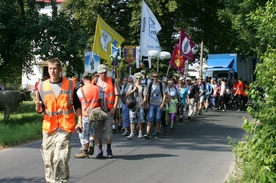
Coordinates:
(24, 125)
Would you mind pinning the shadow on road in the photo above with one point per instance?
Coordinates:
(22, 180)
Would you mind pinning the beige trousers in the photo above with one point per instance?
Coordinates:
(55, 151)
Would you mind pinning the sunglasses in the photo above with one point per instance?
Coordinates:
(155, 76)
(138, 78)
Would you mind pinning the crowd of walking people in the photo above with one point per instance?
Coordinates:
(162, 101)
(142, 104)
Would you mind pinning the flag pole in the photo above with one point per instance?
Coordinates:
(158, 63)
(201, 59)
(186, 68)
(168, 70)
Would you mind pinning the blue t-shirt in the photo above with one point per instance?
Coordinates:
(208, 88)
(183, 92)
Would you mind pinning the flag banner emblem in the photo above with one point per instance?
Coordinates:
(116, 54)
(148, 31)
(91, 62)
(177, 60)
(186, 45)
(130, 54)
(105, 40)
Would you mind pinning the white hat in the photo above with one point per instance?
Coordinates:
(138, 74)
(143, 71)
(102, 68)
(172, 93)
(188, 78)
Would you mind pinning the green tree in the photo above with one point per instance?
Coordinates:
(62, 37)
(18, 28)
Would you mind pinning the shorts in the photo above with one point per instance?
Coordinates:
(137, 115)
(154, 114)
(88, 130)
(207, 97)
(105, 127)
(201, 99)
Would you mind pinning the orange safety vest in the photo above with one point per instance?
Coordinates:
(90, 99)
(58, 112)
(109, 92)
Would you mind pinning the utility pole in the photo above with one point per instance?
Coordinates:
(201, 60)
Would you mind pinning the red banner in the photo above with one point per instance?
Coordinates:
(177, 60)
(186, 45)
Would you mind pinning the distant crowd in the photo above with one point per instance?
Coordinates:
(183, 98)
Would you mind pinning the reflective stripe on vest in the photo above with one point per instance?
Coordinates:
(109, 92)
(58, 112)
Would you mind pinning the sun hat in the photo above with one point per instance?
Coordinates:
(138, 74)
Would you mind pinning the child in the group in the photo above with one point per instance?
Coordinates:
(173, 103)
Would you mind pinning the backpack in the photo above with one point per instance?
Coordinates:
(129, 100)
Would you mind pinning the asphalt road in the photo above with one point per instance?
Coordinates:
(196, 151)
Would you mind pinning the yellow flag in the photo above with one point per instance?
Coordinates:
(105, 40)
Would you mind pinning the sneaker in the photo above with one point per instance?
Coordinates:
(156, 135)
(81, 154)
(171, 128)
(189, 117)
(91, 148)
(109, 153)
(147, 136)
(100, 154)
(140, 135)
(130, 137)
(125, 133)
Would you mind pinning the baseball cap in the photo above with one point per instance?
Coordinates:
(86, 75)
(102, 68)
(188, 78)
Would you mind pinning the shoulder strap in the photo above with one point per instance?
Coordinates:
(161, 87)
(82, 92)
(143, 91)
(150, 85)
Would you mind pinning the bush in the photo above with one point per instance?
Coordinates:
(256, 155)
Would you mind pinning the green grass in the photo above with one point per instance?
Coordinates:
(24, 125)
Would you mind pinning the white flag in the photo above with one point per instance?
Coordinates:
(148, 32)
